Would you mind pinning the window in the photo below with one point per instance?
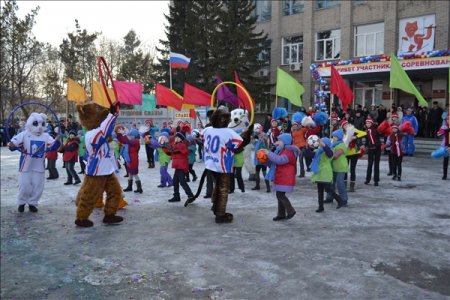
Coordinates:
(327, 3)
(369, 39)
(264, 55)
(291, 7)
(292, 50)
(263, 10)
(358, 2)
(328, 44)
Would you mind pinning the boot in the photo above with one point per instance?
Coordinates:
(84, 223)
(111, 219)
(175, 198)
(281, 214)
(21, 208)
(352, 187)
(267, 186)
(257, 187)
(149, 165)
(252, 177)
(227, 218)
(32, 208)
(130, 186)
(152, 164)
(195, 177)
(139, 187)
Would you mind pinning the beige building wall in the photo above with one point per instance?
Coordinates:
(345, 17)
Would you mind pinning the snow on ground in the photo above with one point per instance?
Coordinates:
(391, 242)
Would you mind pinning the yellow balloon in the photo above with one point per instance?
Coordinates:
(243, 89)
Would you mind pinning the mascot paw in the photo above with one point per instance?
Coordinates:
(122, 203)
(112, 219)
(84, 223)
(227, 218)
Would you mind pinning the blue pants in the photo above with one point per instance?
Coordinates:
(408, 144)
(338, 180)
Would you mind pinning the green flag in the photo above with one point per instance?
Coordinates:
(148, 103)
(400, 80)
(288, 87)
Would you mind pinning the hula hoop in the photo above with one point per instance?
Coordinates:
(8, 121)
(243, 89)
(101, 61)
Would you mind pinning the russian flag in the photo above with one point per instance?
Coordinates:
(178, 61)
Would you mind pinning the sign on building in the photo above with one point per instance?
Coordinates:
(416, 35)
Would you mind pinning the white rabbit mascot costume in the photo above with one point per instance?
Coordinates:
(33, 142)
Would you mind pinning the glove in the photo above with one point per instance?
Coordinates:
(114, 108)
(12, 147)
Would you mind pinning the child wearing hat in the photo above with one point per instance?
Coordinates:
(393, 120)
(82, 150)
(132, 140)
(373, 146)
(282, 172)
(395, 142)
(408, 141)
(192, 146)
(70, 157)
(261, 142)
(163, 159)
(339, 165)
(323, 172)
(298, 133)
(179, 152)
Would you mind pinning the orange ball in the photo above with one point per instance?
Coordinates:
(261, 156)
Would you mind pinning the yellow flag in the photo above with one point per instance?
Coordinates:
(75, 92)
(99, 96)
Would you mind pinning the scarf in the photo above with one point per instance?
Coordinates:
(272, 166)
(315, 162)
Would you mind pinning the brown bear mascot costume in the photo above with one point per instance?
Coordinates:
(220, 145)
(101, 166)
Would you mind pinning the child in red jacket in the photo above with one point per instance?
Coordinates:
(52, 157)
(132, 140)
(70, 157)
(283, 170)
(180, 162)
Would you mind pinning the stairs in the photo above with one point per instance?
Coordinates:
(426, 145)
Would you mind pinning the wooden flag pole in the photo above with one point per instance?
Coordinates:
(391, 102)
(276, 100)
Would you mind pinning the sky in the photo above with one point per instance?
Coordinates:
(113, 18)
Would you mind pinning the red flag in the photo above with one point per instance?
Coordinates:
(192, 114)
(340, 89)
(195, 96)
(129, 92)
(241, 95)
(168, 97)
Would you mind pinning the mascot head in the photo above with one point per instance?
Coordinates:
(239, 120)
(91, 114)
(220, 118)
(36, 124)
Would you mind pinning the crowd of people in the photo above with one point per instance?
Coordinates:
(282, 150)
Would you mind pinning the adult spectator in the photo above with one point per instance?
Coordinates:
(359, 120)
(422, 119)
(382, 113)
(434, 119)
(267, 125)
(373, 112)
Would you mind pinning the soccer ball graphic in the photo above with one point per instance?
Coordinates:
(313, 141)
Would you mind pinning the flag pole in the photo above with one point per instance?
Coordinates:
(331, 102)
(170, 79)
(276, 100)
(391, 101)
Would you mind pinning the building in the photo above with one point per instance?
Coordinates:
(357, 35)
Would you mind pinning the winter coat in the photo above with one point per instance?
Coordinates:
(133, 151)
(51, 155)
(192, 151)
(325, 173)
(180, 159)
(71, 150)
(395, 142)
(285, 162)
(298, 137)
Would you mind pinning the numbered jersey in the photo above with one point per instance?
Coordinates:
(219, 147)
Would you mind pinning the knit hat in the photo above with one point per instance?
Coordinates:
(409, 109)
(343, 123)
(394, 126)
(394, 115)
(73, 132)
(369, 120)
(181, 135)
(286, 138)
(190, 138)
(164, 133)
(339, 134)
(134, 132)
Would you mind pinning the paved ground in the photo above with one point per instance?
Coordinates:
(391, 242)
